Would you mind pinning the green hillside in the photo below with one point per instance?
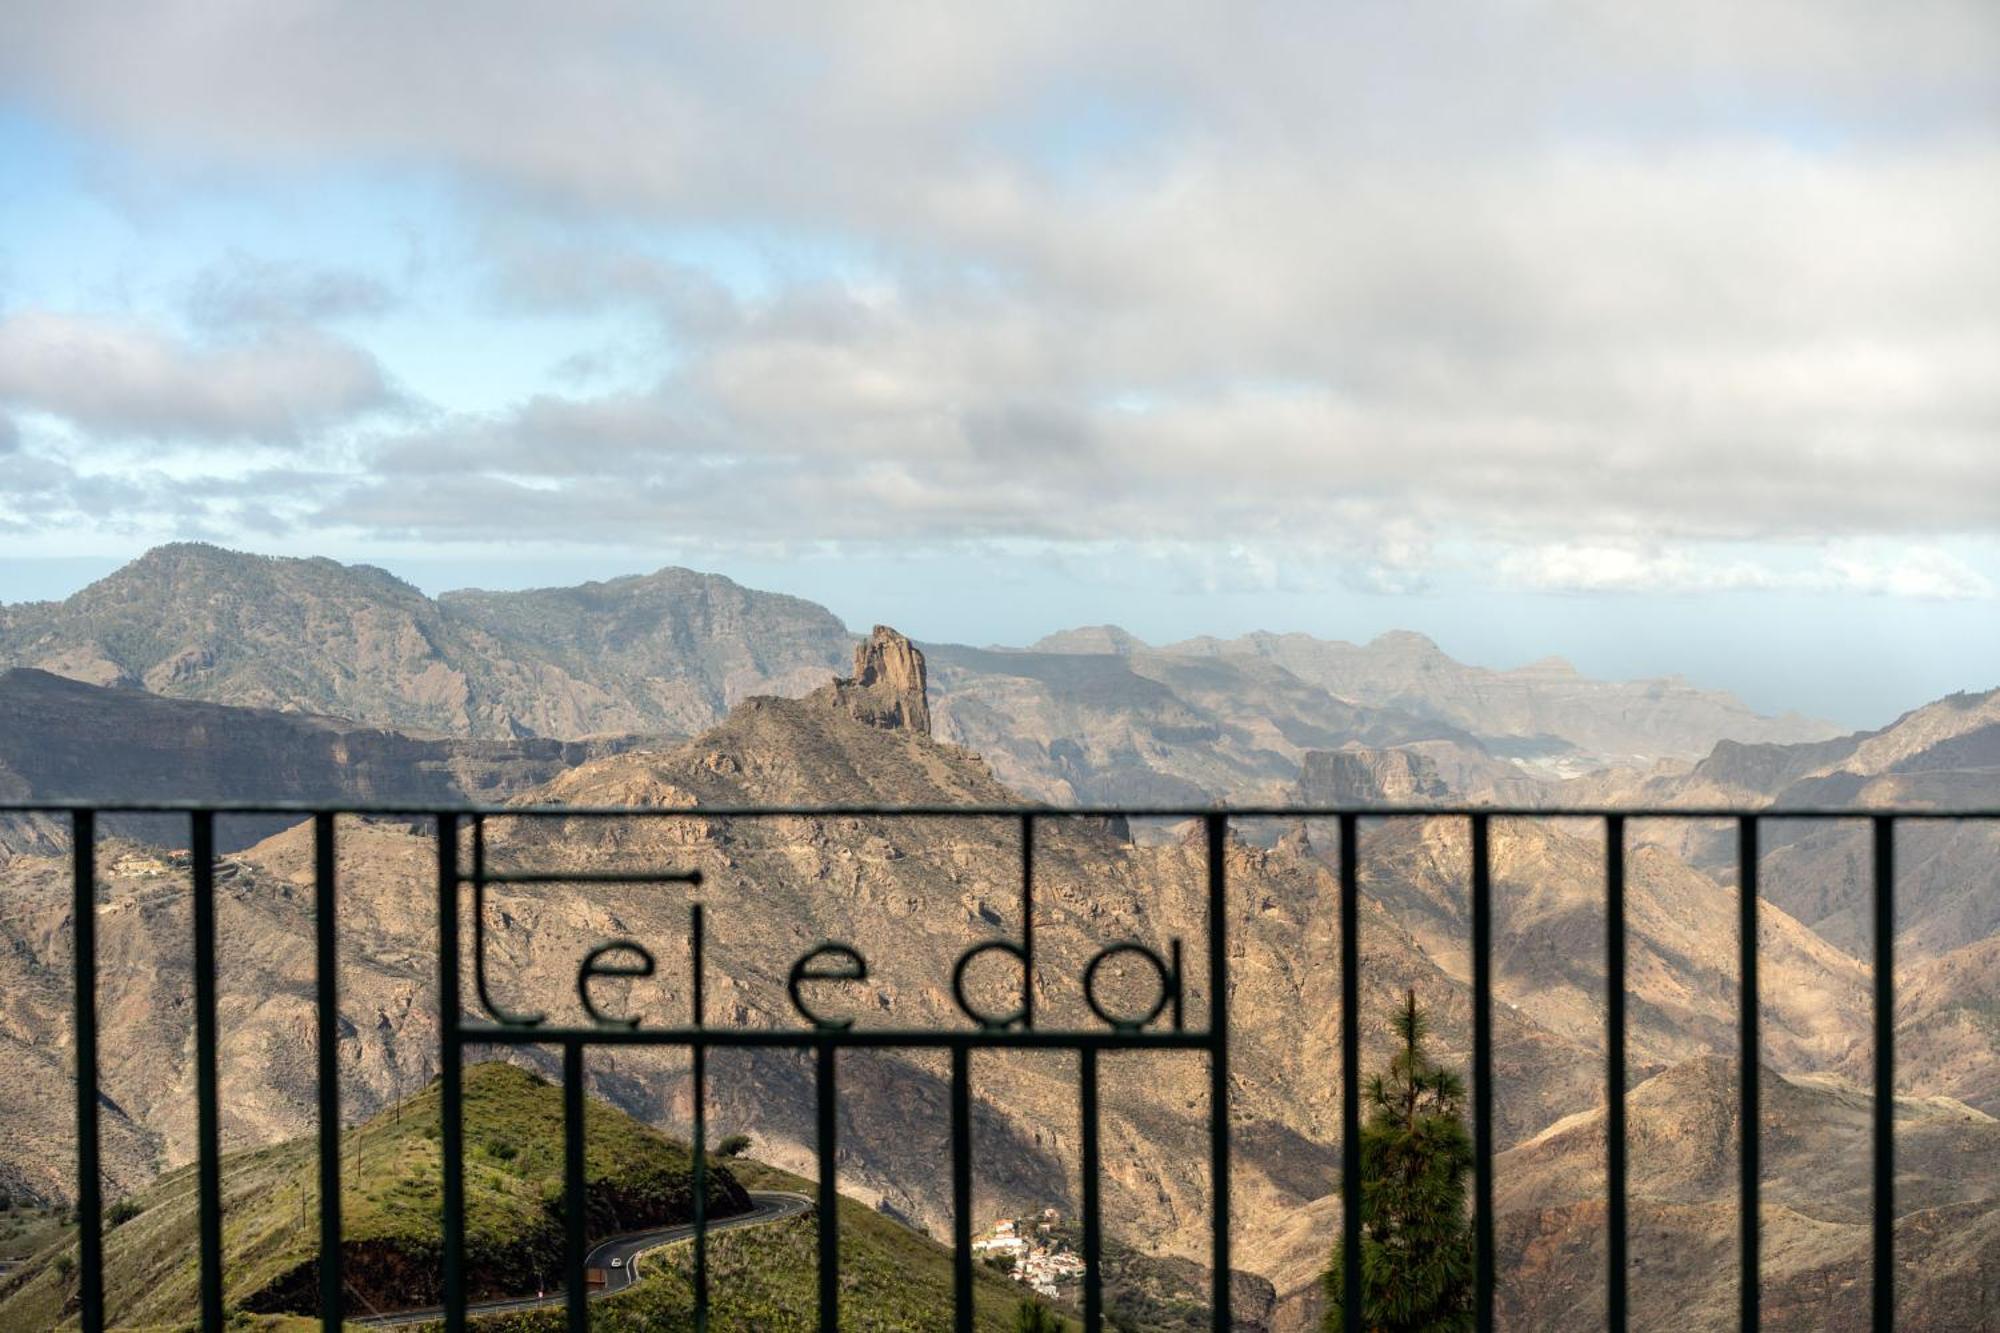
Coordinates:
(391, 1210)
(763, 1277)
(766, 1278)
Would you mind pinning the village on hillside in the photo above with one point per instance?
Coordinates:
(1032, 1252)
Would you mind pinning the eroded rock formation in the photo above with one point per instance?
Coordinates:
(888, 686)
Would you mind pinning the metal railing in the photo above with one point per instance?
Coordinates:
(1162, 1029)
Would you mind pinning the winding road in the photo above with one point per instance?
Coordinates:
(767, 1206)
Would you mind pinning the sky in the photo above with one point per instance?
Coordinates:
(1665, 338)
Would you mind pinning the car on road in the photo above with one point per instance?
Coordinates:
(617, 1263)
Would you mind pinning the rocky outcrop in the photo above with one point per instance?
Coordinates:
(889, 684)
(1369, 777)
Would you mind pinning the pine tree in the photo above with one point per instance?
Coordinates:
(1034, 1317)
(1416, 1236)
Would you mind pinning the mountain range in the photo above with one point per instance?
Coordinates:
(1091, 713)
(667, 652)
(1086, 716)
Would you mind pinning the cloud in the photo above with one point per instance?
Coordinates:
(876, 110)
(1612, 293)
(1923, 572)
(122, 380)
(239, 291)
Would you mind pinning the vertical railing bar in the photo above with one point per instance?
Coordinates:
(1884, 1293)
(576, 1202)
(1749, 1162)
(961, 1188)
(1482, 1073)
(698, 1056)
(451, 1060)
(208, 1132)
(1218, 1068)
(89, 1182)
(1027, 923)
(328, 999)
(1093, 1220)
(829, 1195)
(1350, 1073)
(1614, 1073)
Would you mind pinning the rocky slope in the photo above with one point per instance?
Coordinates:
(910, 895)
(1682, 1133)
(1097, 715)
(1418, 773)
(1140, 728)
(64, 740)
(666, 652)
(675, 645)
(1944, 755)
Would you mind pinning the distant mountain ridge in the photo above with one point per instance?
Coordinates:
(1551, 710)
(1087, 715)
(664, 652)
(1146, 728)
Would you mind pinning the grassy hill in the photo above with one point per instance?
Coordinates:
(391, 1208)
(766, 1278)
(761, 1278)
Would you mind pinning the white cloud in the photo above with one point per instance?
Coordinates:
(117, 379)
(1920, 571)
(1609, 289)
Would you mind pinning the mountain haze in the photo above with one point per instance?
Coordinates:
(1602, 721)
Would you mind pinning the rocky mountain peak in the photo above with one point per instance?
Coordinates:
(888, 687)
